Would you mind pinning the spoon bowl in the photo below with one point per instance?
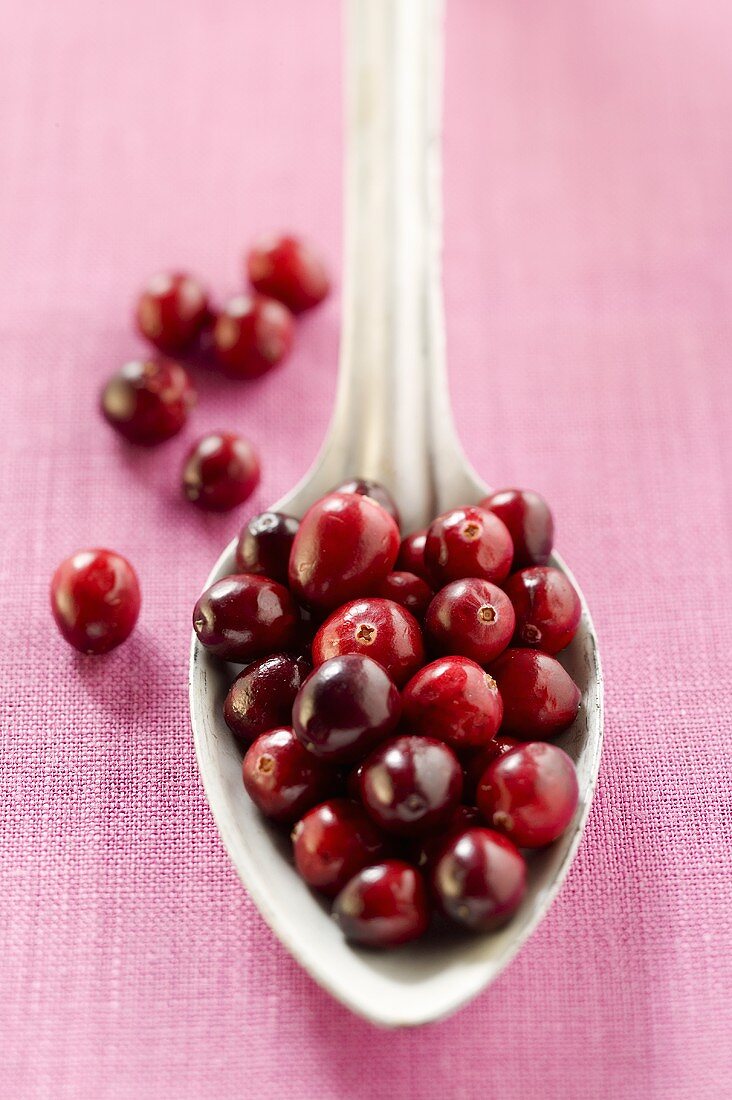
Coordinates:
(392, 423)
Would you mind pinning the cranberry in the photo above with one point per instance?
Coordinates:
(334, 841)
(383, 906)
(244, 616)
(353, 782)
(95, 600)
(252, 335)
(454, 700)
(148, 401)
(373, 489)
(479, 879)
(264, 545)
(171, 311)
(411, 785)
(540, 699)
(476, 766)
(472, 618)
(548, 609)
(468, 542)
(411, 556)
(406, 589)
(426, 850)
(282, 778)
(379, 629)
(287, 269)
(529, 521)
(345, 547)
(530, 794)
(345, 707)
(220, 472)
(262, 695)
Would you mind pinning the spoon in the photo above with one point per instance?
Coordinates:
(392, 422)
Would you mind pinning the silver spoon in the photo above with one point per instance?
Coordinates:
(392, 422)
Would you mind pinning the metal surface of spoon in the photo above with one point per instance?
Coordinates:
(392, 422)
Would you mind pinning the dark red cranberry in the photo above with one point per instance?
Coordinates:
(468, 542)
(383, 906)
(373, 489)
(171, 311)
(411, 556)
(243, 616)
(353, 782)
(540, 699)
(454, 700)
(95, 599)
(472, 618)
(148, 401)
(411, 785)
(265, 543)
(262, 695)
(475, 768)
(220, 472)
(529, 521)
(530, 794)
(406, 589)
(286, 268)
(547, 607)
(379, 629)
(425, 851)
(334, 841)
(345, 707)
(252, 335)
(282, 778)
(479, 879)
(345, 547)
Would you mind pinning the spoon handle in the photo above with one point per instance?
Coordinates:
(392, 418)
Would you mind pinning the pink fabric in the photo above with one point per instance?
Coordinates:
(588, 275)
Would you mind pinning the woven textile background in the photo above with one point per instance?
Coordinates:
(588, 272)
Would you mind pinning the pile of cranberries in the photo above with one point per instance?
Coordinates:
(148, 401)
(95, 593)
(399, 701)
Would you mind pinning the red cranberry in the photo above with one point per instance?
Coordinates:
(252, 335)
(148, 401)
(345, 546)
(411, 556)
(264, 545)
(547, 608)
(529, 521)
(406, 589)
(353, 782)
(287, 269)
(472, 618)
(454, 700)
(220, 472)
(411, 785)
(171, 311)
(262, 695)
(243, 616)
(334, 841)
(373, 489)
(282, 778)
(479, 879)
(383, 906)
(530, 794)
(95, 600)
(379, 629)
(426, 850)
(540, 699)
(475, 768)
(468, 542)
(345, 707)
